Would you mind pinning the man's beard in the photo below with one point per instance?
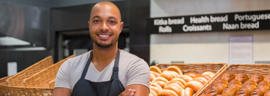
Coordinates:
(101, 45)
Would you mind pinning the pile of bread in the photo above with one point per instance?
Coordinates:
(170, 81)
(240, 85)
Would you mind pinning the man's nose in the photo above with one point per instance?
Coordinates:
(104, 27)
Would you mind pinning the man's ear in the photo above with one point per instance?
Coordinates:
(89, 25)
(121, 26)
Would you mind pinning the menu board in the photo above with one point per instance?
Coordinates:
(255, 20)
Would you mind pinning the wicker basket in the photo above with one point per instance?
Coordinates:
(198, 68)
(38, 84)
(44, 77)
(17, 79)
(3, 85)
(249, 69)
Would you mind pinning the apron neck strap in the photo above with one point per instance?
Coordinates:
(87, 65)
(115, 67)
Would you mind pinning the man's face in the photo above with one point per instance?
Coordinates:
(105, 25)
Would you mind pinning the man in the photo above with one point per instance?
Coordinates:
(106, 70)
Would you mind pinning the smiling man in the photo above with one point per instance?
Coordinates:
(106, 70)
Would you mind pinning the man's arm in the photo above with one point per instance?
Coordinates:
(62, 81)
(140, 90)
(61, 92)
(138, 78)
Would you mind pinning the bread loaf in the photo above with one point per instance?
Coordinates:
(228, 76)
(201, 80)
(193, 75)
(169, 75)
(155, 69)
(219, 87)
(167, 92)
(175, 69)
(267, 78)
(194, 85)
(211, 74)
(186, 78)
(229, 91)
(242, 77)
(179, 80)
(257, 78)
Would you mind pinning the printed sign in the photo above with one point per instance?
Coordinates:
(258, 20)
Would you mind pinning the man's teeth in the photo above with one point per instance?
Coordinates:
(104, 35)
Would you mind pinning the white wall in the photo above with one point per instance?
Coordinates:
(204, 46)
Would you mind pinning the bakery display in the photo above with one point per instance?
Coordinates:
(240, 85)
(171, 81)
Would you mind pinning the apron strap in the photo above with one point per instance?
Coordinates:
(87, 65)
(115, 67)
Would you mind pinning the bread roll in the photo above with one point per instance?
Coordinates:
(257, 78)
(155, 85)
(241, 92)
(267, 93)
(201, 79)
(267, 78)
(250, 88)
(257, 92)
(192, 75)
(245, 91)
(186, 78)
(219, 87)
(167, 92)
(182, 93)
(169, 75)
(176, 83)
(152, 77)
(156, 89)
(249, 82)
(175, 69)
(228, 76)
(212, 92)
(161, 79)
(234, 81)
(211, 74)
(229, 92)
(263, 83)
(194, 85)
(234, 86)
(161, 83)
(262, 88)
(241, 77)
(206, 77)
(152, 93)
(188, 92)
(163, 69)
(222, 81)
(155, 73)
(180, 80)
(174, 87)
(155, 69)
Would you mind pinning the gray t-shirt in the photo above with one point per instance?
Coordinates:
(132, 70)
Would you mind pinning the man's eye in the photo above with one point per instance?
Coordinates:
(96, 21)
(112, 22)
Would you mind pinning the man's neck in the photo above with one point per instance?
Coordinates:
(103, 56)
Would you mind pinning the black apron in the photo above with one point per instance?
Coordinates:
(108, 88)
